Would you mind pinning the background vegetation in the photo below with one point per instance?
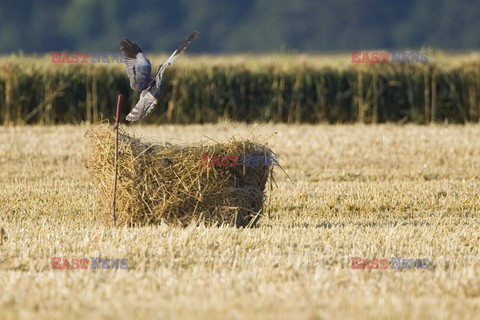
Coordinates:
(238, 25)
(280, 85)
(278, 88)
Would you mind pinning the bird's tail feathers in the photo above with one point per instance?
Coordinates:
(143, 107)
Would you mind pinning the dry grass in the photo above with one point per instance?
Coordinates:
(179, 184)
(368, 191)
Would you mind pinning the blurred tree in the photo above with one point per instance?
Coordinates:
(238, 25)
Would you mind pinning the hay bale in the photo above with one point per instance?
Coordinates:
(170, 183)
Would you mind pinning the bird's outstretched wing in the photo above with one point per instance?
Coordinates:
(143, 107)
(149, 95)
(174, 56)
(139, 68)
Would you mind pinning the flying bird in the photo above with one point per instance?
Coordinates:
(139, 72)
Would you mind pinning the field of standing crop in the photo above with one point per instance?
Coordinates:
(292, 89)
(358, 191)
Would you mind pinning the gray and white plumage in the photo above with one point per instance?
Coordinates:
(139, 73)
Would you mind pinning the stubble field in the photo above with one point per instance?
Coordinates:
(358, 191)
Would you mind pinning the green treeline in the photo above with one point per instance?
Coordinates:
(238, 25)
